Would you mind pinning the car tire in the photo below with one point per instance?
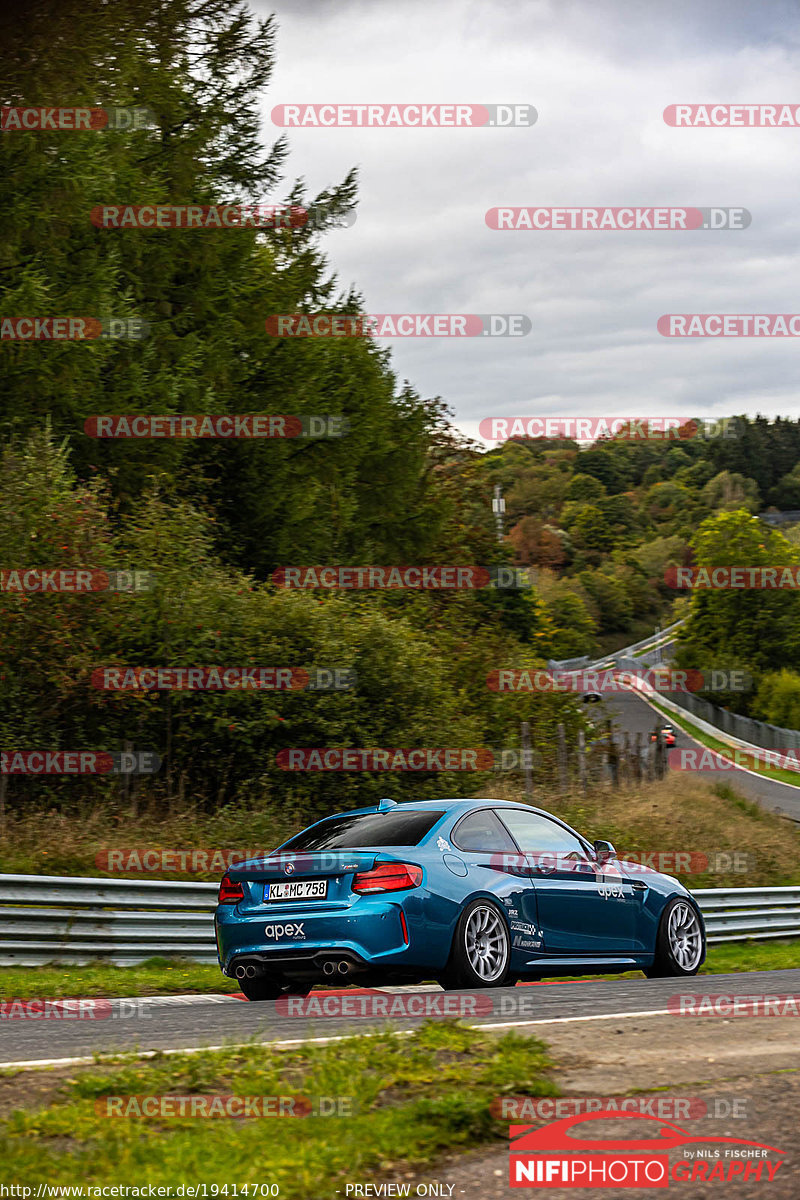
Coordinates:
(261, 987)
(680, 941)
(481, 950)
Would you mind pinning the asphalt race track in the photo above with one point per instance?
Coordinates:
(188, 1022)
(634, 715)
(192, 1022)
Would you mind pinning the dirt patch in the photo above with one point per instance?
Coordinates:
(743, 1073)
(37, 1089)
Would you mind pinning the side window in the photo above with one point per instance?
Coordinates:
(535, 834)
(483, 831)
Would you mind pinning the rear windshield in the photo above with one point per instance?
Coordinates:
(366, 831)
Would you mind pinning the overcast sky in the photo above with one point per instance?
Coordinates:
(600, 75)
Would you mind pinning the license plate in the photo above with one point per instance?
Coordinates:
(297, 889)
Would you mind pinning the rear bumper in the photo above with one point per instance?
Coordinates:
(328, 966)
(369, 940)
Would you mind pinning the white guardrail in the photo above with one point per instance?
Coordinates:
(50, 918)
(585, 664)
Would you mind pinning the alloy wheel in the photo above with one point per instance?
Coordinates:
(486, 943)
(684, 936)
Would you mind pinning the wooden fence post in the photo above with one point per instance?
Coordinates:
(613, 756)
(582, 761)
(526, 761)
(562, 758)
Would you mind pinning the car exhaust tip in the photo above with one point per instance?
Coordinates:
(250, 971)
(241, 971)
(344, 968)
(329, 968)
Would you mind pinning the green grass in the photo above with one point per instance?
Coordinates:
(410, 1099)
(161, 977)
(156, 977)
(752, 956)
(712, 743)
(733, 957)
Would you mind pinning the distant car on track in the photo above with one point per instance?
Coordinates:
(667, 733)
(472, 893)
(592, 697)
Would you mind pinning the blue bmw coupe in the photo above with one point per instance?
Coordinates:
(472, 893)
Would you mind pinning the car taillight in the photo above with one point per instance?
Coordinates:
(388, 877)
(229, 892)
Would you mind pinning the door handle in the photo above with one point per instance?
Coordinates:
(638, 886)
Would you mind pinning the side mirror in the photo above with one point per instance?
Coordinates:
(604, 850)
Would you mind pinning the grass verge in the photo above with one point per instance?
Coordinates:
(408, 1099)
(159, 977)
(734, 957)
(156, 977)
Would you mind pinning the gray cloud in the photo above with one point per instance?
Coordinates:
(600, 75)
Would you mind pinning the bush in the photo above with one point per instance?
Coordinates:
(778, 699)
